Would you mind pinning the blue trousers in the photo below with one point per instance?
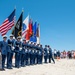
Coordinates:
(41, 58)
(51, 58)
(37, 59)
(22, 60)
(17, 59)
(9, 59)
(27, 59)
(34, 58)
(3, 61)
(45, 59)
(31, 59)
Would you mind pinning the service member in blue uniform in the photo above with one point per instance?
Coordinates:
(4, 50)
(50, 55)
(10, 42)
(41, 54)
(31, 53)
(27, 53)
(34, 54)
(17, 52)
(23, 54)
(45, 54)
(37, 53)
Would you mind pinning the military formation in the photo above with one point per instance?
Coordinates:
(25, 52)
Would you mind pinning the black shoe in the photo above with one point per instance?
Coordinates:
(9, 68)
(2, 69)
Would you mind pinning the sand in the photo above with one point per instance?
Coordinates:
(61, 67)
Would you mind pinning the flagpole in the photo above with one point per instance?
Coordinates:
(13, 29)
(22, 20)
(39, 32)
(14, 21)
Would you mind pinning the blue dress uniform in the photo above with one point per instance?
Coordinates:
(50, 55)
(37, 54)
(23, 54)
(40, 54)
(45, 54)
(10, 53)
(17, 53)
(31, 57)
(34, 54)
(31, 54)
(4, 50)
(27, 54)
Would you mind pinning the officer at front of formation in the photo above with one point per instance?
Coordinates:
(17, 52)
(4, 50)
(45, 54)
(23, 54)
(10, 51)
(50, 54)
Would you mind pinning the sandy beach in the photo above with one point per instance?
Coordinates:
(61, 67)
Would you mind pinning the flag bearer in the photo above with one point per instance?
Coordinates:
(4, 50)
(23, 54)
(17, 52)
(10, 51)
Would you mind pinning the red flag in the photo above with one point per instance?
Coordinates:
(27, 37)
(29, 31)
(30, 28)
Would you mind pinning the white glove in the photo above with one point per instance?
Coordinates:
(48, 51)
(26, 50)
(13, 48)
(29, 50)
(20, 48)
(0, 53)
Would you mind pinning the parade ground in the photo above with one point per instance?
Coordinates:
(61, 67)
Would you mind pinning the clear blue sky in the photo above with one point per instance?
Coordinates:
(56, 18)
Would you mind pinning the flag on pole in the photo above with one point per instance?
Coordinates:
(33, 38)
(17, 31)
(25, 28)
(8, 23)
(38, 34)
(30, 28)
(29, 32)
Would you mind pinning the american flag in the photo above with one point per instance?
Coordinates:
(7, 24)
